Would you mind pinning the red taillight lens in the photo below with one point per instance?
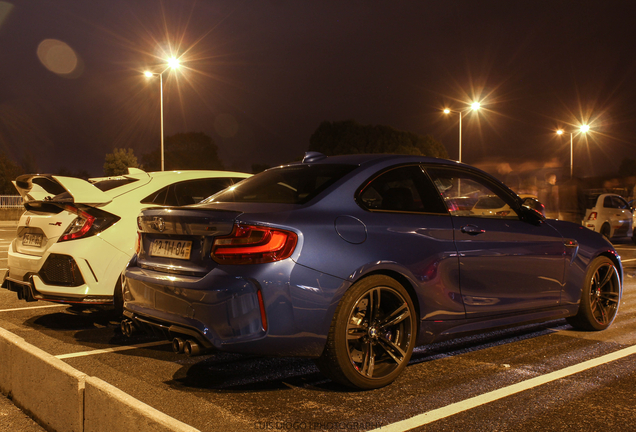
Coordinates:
(592, 216)
(88, 222)
(250, 244)
(80, 226)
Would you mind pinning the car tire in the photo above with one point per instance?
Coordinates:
(118, 297)
(606, 231)
(600, 297)
(372, 334)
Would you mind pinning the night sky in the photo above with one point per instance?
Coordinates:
(259, 76)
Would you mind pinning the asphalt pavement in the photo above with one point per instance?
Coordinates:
(542, 376)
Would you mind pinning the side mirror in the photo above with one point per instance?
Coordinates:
(532, 216)
(534, 204)
(532, 211)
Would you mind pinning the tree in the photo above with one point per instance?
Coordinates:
(119, 160)
(191, 150)
(349, 137)
(9, 170)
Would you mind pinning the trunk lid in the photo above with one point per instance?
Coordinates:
(179, 240)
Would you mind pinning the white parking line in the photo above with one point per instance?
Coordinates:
(628, 260)
(465, 405)
(110, 350)
(32, 307)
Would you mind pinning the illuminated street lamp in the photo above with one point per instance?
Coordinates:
(473, 107)
(583, 129)
(173, 63)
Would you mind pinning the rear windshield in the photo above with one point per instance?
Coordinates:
(295, 184)
(105, 185)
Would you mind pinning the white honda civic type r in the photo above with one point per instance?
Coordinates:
(76, 237)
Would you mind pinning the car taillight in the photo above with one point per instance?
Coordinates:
(592, 216)
(250, 244)
(87, 224)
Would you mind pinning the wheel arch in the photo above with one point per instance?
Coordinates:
(617, 264)
(402, 280)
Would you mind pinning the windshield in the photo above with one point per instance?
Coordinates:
(296, 184)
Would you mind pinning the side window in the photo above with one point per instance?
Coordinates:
(404, 189)
(469, 195)
(607, 202)
(157, 197)
(620, 203)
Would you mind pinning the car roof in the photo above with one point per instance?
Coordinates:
(159, 179)
(378, 159)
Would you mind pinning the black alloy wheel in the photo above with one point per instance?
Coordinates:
(600, 297)
(372, 335)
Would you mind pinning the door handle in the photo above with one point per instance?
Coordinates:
(472, 230)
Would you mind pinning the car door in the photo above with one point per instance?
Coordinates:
(619, 214)
(506, 264)
(407, 223)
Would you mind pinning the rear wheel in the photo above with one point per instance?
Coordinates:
(600, 297)
(372, 334)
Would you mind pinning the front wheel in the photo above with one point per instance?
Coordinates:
(372, 334)
(600, 297)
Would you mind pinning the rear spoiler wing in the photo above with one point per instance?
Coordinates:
(58, 189)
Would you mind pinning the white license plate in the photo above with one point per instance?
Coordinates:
(179, 249)
(32, 240)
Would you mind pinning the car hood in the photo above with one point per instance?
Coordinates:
(59, 189)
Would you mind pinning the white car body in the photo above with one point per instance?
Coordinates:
(610, 215)
(46, 261)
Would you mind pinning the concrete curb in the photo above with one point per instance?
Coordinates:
(62, 398)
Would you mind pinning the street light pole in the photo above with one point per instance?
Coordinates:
(161, 111)
(583, 129)
(173, 63)
(475, 106)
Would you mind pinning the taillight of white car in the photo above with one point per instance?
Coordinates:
(592, 216)
(88, 222)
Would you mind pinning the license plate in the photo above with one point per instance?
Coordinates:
(32, 240)
(179, 249)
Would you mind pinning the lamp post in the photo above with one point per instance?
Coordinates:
(473, 107)
(583, 129)
(173, 63)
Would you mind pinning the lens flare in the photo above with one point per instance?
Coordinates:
(58, 57)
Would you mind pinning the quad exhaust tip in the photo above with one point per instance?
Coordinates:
(188, 347)
(178, 345)
(127, 327)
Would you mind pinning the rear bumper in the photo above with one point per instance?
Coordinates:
(229, 314)
(281, 309)
(26, 290)
(79, 271)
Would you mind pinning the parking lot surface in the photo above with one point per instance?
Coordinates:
(484, 382)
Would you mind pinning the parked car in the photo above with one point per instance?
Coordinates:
(494, 206)
(610, 215)
(354, 260)
(76, 237)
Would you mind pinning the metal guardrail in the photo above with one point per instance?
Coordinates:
(10, 201)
